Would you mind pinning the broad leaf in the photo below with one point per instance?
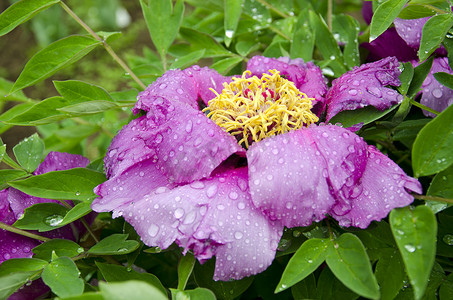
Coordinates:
(415, 233)
(81, 91)
(445, 79)
(42, 217)
(384, 15)
(21, 265)
(29, 152)
(433, 34)
(115, 244)
(61, 247)
(12, 282)
(62, 276)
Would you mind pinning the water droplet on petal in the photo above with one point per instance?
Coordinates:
(437, 93)
(190, 218)
(375, 91)
(211, 191)
(189, 126)
(179, 213)
(353, 92)
(238, 235)
(158, 138)
(153, 230)
(233, 195)
(241, 205)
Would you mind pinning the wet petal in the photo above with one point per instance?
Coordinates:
(129, 146)
(58, 161)
(132, 184)
(299, 176)
(205, 80)
(307, 77)
(211, 217)
(383, 187)
(173, 85)
(188, 145)
(410, 30)
(365, 85)
(387, 44)
(436, 95)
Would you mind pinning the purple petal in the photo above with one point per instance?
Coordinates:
(307, 77)
(35, 290)
(365, 85)
(383, 187)
(410, 30)
(173, 85)
(296, 177)
(207, 79)
(214, 216)
(436, 95)
(134, 183)
(389, 44)
(367, 11)
(188, 145)
(58, 161)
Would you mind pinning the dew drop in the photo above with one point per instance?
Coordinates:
(211, 191)
(158, 138)
(233, 195)
(179, 213)
(353, 92)
(241, 205)
(153, 230)
(53, 220)
(238, 235)
(189, 126)
(409, 247)
(448, 239)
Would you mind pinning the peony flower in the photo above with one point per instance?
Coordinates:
(403, 41)
(219, 165)
(12, 206)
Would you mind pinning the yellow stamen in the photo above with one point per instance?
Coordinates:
(255, 108)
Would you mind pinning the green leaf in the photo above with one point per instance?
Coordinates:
(348, 29)
(420, 73)
(196, 294)
(8, 175)
(406, 78)
(73, 184)
(186, 60)
(115, 244)
(445, 79)
(225, 65)
(88, 108)
(416, 11)
(61, 247)
(305, 289)
(329, 287)
(415, 233)
(245, 47)
(233, 10)
(441, 186)
(53, 58)
(303, 38)
(199, 41)
(2, 152)
(384, 15)
(364, 115)
(306, 260)
(42, 217)
(185, 267)
(81, 91)
(114, 273)
(29, 152)
(62, 276)
(77, 212)
(390, 273)
(326, 44)
(431, 152)
(21, 12)
(12, 282)
(5, 87)
(131, 289)
(349, 262)
(163, 21)
(21, 265)
(86, 296)
(446, 289)
(433, 33)
(227, 290)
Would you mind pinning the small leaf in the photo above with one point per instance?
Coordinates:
(115, 244)
(81, 91)
(441, 186)
(21, 12)
(42, 217)
(198, 294)
(329, 287)
(390, 273)
(431, 152)
(433, 33)
(10, 174)
(199, 41)
(233, 10)
(185, 267)
(303, 38)
(186, 60)
(416, 11)
(53, 58)
(420, 73)
(61, 247)
(12, 282)
(384, 16)
(306, 260)
(364, 115)
(29, 152)
(349, 262)
(21, 265)
(347, 29)
(73, 184)
(305, 289)
(445, 79)
(114, 273)
(88, 108)
(77, 212)
(62, 276)
(132, 289)
(406, 78)
(415, 233)
(225, 65)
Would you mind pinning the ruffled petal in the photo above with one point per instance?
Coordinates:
(307, 77)
(296, 177)
(213, 216)
(387, 44)
(58, 161)
(134, 183)
(436, 95)
(173, 85)
(188, 145)
(383, 187)
(365, 85)
(205, 80)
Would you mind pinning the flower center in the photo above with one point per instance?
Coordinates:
(253, 108)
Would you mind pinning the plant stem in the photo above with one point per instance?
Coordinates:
(23, 232)
(329, 14)
(88, 228)
(104, 44)
(432, 198)
(278, 12)
(419, 105)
